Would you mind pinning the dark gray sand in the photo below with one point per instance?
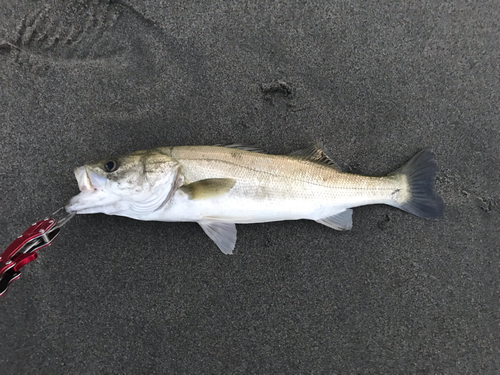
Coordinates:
(372, 83)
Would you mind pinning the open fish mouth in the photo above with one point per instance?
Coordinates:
(92, 197)
(82, 177)
(86, 188)
(88, 180)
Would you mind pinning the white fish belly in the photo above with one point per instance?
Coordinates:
(242, 211)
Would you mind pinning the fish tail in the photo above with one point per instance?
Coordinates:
(417, 195)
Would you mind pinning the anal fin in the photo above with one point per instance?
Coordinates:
(223, 234)
(340, 221)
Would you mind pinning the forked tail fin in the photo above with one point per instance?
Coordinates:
(419, 198)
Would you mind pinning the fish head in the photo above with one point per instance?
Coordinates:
(131, 185)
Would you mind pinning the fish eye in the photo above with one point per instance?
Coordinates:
(110, 166)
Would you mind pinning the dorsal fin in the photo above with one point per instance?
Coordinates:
(240, 146)
(314, 153)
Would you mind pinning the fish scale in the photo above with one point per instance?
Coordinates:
(284, 176)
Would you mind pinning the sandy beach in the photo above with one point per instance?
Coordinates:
(373, 83)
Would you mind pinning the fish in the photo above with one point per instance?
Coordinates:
(221, 186)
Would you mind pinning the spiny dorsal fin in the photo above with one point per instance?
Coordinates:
(209, 188)
(314, 153)
(240, 146)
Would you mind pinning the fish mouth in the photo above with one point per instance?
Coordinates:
(82, 177)
(85, 186)
(88, 180)
(92, 198)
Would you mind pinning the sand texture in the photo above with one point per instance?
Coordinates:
(374, 82)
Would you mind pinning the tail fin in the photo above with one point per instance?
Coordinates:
(420, 173)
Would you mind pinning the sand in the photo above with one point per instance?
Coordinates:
(373, 83)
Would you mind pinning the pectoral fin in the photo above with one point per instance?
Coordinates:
(209, 188)
(340, 221)
(223, 234)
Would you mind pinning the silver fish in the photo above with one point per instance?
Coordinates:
(220, 186)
